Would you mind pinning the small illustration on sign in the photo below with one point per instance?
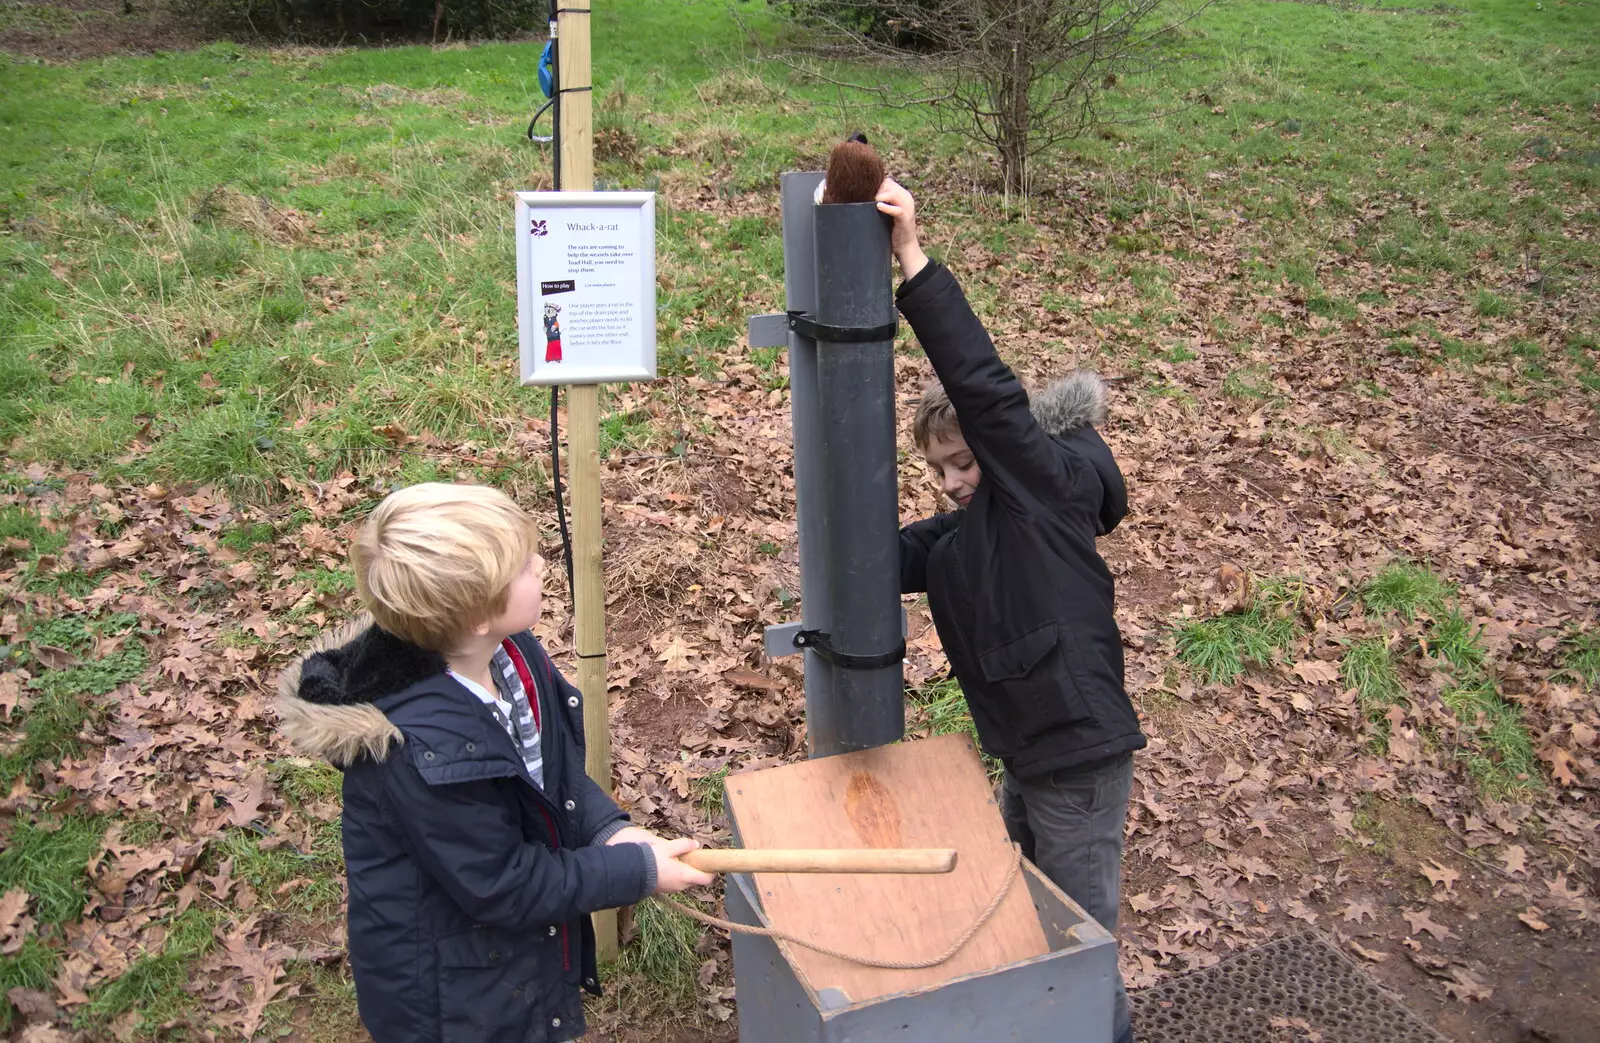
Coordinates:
(552, 333)
(540, 227)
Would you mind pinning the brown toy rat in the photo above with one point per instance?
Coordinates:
(854, 172)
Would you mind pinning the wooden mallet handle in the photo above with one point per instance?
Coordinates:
(822, 860)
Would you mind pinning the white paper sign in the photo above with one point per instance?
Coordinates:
(586, 286)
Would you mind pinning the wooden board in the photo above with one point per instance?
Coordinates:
(928, 793)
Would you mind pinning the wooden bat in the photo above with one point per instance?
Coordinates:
(822, 860)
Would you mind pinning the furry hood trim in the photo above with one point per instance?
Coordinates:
(1076, 400)
(326, 697)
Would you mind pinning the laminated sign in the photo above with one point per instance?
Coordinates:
(586, 286)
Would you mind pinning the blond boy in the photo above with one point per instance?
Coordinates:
(474, 843)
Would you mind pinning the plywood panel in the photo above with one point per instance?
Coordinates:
(928, 793)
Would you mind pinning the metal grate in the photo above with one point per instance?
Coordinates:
(1272, 995)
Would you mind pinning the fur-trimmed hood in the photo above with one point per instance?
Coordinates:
(326, 697)
(1075, 400)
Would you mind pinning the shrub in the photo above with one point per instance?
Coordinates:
(370, 19)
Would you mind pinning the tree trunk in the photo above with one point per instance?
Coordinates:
(1014, 120)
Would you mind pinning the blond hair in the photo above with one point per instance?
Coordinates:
(435, 560)
(936, 417)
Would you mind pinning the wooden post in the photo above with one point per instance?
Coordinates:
(589, 600)
(583, 440)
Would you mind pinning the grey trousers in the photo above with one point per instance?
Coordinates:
(1070, 823)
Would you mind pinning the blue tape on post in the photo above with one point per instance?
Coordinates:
(547, 75)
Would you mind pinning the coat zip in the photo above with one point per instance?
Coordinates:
(526, 677)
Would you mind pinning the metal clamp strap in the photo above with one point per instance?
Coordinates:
(806, 326)
(818, 642)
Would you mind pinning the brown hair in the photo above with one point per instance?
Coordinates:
(936, 417)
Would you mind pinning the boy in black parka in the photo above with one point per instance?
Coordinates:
(475, 846)
(1020, 597)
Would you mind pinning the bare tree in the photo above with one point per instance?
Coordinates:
(1018, 77)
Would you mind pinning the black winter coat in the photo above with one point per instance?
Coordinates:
(1021, 599)
(470, 887)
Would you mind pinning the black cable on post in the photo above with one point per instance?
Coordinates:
(555, 477)
(555, 389)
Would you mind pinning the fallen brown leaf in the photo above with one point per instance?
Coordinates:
(1561, 764)
(32, 1004)
(1365, 953)
(11, 694)
(12, 905)
(1300, 911)
(1358, 911)
(750, 679)
(1143, 903)
(1466, 986)
(1317, 671)
(1531, 917)
(55, 658)
(1420, 921)
(1440, 874)
(675, 657)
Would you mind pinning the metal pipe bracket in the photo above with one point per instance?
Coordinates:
(803, 324)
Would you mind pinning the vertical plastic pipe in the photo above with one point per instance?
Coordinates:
(796, 191)
(855, 392)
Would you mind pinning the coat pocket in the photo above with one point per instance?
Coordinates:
(1028, 674)
(489, 989)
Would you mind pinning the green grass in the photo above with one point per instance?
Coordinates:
(1368, 667)
(1492, 739)
(1491, 305)
(1220, 648)
(31, 967)
(663, 951)
(1498, 751)
(1407, 588)
(304, 781)
(709, 794)
(624, 432)
(1252, 382)
(48, 857)
(63, 698)
(244, 536)
(268, 868)
(1452, 637)
(156, 985)
(19, 523)
(371, 287)
(940, 708)
(1580, 657)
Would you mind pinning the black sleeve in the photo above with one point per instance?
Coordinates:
(1114, 507)
(916, 542)
(1012, 450)
(466, 837)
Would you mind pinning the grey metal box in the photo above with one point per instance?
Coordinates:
(1063, 996)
